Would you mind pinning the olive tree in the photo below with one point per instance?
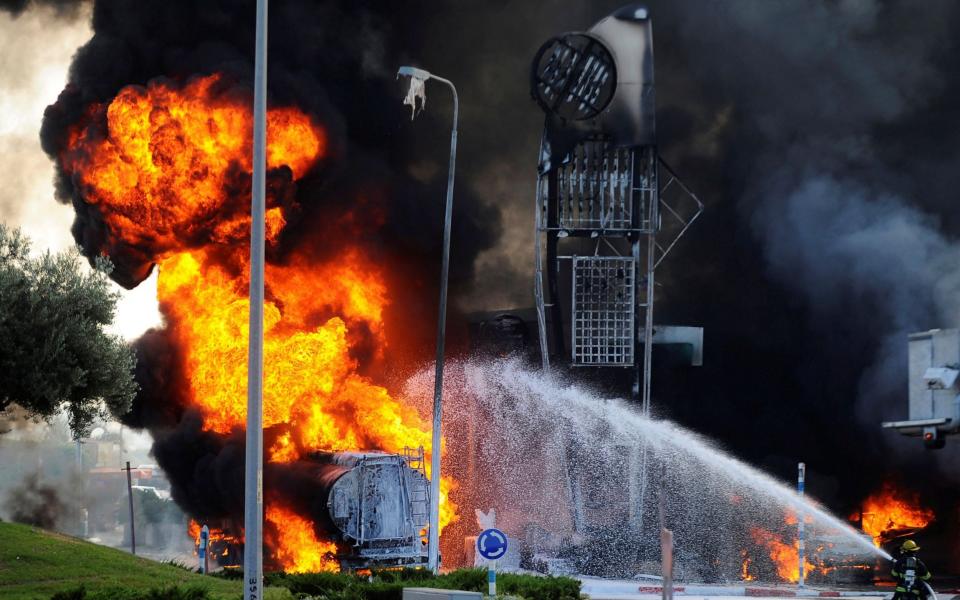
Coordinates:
(55, 353)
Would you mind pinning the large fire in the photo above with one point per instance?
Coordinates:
(889, 512)
(171, 173)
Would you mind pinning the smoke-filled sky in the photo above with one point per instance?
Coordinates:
(822, 135)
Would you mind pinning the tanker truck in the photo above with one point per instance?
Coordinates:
(379, 504)
(374, 505)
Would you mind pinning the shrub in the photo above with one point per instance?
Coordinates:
(313, 584)
(230, 574)
(79, 593)
(472, 580)
(538, 588)
(177, 593)
(169, 593)
(388, 585)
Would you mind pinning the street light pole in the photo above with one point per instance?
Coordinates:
(419, 77)
(253, 482)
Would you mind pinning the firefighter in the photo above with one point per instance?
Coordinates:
(910, 573)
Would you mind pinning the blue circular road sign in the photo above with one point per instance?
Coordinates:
(492, 544)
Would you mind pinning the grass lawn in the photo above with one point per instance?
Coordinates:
(34, 564)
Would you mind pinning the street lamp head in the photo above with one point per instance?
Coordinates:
(417, 89)
(414, 72)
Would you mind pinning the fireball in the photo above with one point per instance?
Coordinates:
(168, 168)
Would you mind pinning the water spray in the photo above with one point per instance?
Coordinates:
(568, 432)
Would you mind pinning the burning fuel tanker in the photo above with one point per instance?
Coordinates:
(160, 178)
(380, 505)
(374, 505)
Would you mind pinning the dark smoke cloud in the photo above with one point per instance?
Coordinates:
(828, 236)
(35, 503)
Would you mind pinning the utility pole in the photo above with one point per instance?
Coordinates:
(81, 484)
(133, 533)
(253, 499)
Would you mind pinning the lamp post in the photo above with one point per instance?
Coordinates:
(418, 79)
(253, 478)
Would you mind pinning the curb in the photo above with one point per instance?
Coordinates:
(757, 592)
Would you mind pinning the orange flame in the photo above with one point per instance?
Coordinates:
(785, 557)
(745, 574)
(890, 510)
(298, 548)
(193, 530)
(161, 170)
(169, 175)
(216, 535)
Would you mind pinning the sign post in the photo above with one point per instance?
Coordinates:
(202, 550)
(492, 545)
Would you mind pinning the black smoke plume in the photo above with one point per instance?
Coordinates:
(35, 503)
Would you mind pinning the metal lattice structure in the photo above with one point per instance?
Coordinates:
(604, 290)
(604, 222)
(611, 197)
(594, 191)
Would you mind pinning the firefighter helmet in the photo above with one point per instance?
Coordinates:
(909, 546)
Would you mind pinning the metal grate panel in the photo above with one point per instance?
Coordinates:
(604, 293)
(599, 188)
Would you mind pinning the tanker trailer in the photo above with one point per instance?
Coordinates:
(379, 503)
(372, 504)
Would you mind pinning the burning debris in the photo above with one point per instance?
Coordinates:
(775, 555)
(891, 513)
(784, 556)
(745, 574)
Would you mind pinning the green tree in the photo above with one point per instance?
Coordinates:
(54, 352)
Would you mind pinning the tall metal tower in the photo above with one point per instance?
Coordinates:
(608, 208)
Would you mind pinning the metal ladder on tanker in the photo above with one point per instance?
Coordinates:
(419, 495)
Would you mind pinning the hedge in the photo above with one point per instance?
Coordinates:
(388, 585)
(383, 585)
